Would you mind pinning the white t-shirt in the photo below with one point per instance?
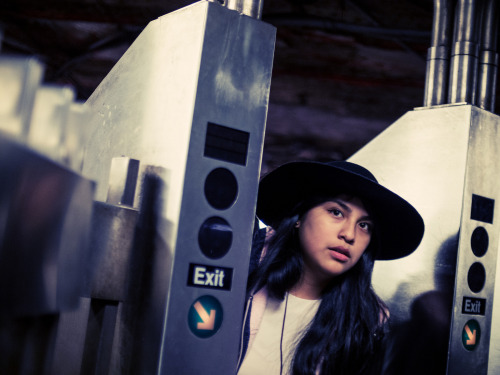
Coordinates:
(263, 357)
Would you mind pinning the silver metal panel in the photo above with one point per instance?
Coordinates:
(494, 352)
(422, 157)
(45, 212)
(199, 65)
(236, 98)
(110, 253)
(435, 157)
(144, 107)
(70, 340)
(469, 343)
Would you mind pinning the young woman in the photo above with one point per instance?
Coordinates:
(311, 307)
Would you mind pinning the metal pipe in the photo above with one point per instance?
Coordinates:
(464, 54)
(488, 58)
(252, 8)
(438, 55)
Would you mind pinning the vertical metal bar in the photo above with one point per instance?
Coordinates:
(99, 338)
(464, 55)
(252, 8)
(488, 58)
(438, 55)
(122, 181)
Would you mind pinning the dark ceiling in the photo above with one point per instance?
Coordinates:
(344, 70)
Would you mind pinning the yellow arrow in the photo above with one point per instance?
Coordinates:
(208, 321)
(471, 335)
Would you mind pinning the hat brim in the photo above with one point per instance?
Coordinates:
(400, 226)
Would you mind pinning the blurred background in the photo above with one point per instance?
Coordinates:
(344, 70)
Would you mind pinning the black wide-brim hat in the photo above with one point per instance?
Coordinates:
(399, 225)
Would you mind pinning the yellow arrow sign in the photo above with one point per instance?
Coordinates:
(205, 316)
(208, 320)
(472, 335)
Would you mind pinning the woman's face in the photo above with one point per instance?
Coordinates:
(333, 237)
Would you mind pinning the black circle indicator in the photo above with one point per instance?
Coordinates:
(215, 237)
(479, 241)
(476, 277)
(221, 188)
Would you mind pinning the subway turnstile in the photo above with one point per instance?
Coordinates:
(190, 99)
(445, 161)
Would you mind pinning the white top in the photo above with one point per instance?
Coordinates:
(263, 357)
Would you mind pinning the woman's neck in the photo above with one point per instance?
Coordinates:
(307, 288)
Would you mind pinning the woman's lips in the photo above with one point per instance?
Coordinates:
(340, 253)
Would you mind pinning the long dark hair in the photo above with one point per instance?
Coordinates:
(345, 336)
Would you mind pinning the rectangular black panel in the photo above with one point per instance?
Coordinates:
(482, 209)
(227, 144)
(473, 306)
(213, 277)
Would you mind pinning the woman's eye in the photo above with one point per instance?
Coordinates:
(365, 226)
(336, 212)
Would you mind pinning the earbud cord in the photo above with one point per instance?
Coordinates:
(282, 332)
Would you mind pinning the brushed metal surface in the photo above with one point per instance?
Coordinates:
(45, 212)
(201, 64)
(424, 157)
(481, 179)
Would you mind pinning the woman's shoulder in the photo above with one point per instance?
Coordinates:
(384, 312)
(384, 315)
(260, 240)
(258, 247)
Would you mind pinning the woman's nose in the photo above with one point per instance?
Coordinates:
(347, 232)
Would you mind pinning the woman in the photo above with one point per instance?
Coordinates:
(311, 307)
